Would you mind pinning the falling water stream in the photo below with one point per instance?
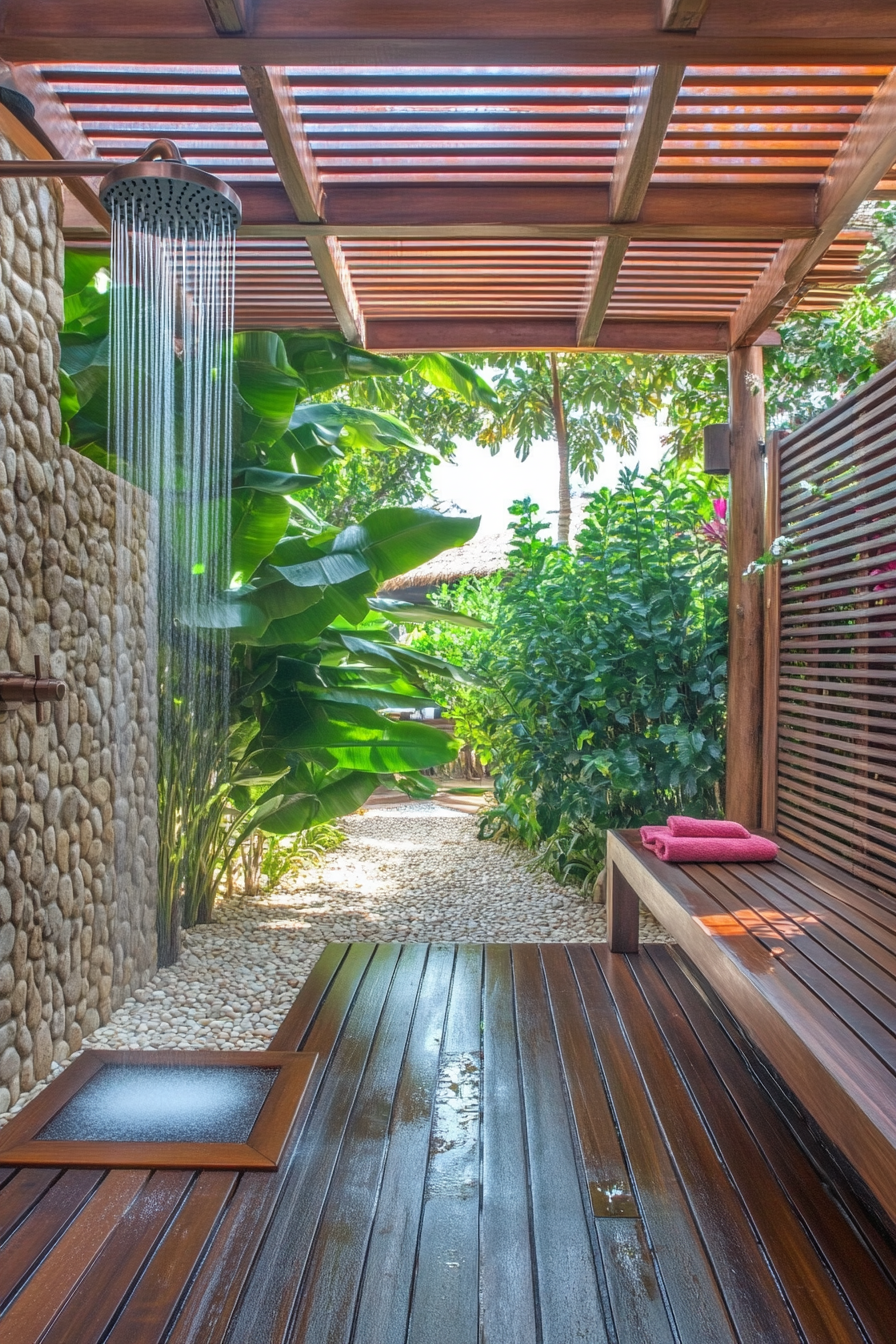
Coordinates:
(170, 414)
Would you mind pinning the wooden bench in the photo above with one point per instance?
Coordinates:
(804, 957)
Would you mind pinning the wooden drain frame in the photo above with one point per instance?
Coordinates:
(261, 1151)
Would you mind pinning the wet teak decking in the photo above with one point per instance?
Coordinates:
(506, 1146)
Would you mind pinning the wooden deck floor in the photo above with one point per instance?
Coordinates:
(527, 1145)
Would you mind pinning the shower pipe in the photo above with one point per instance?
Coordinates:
(195, 191)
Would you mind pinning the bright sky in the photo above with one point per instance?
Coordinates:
(478, 483)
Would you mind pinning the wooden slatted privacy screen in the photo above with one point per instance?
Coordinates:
(836, 768)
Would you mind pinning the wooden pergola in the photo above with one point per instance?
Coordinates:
(658, 177)
(661, 176)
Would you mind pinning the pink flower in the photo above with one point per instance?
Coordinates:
(721, 509)
(716, 531)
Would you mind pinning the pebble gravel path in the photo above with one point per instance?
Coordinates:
(414, 873)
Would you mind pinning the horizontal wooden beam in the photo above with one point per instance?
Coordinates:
(52, 133)
(741, 214)
(504, 34)
(682, 15)
(275, 107)
(778, 212)
(863, 158)
(679, 338)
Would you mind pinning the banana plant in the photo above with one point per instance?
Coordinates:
(317, 668)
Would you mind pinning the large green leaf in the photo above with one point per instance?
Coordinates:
(364, 364)
(412, 613)
(455, 375)
(271, 482)
(402, 657)
(282, 599)
(324, 359)
(397, 540)
(343, 599)
(360, 739)
(373, 697)
(81, 267)
(86, 361)
(85, 304)
(68, 396)
(327, 569)
(258, 521)
(355, 426)
(345, 792)
(304, 450)
(268, 385)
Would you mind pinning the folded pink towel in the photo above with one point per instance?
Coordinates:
(706, 849)
(650, 834)
(719, 830)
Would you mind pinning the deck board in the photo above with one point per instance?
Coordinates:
(505, 1145)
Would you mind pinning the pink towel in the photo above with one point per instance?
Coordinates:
(650, 834)
(718, 830)
(706, 849)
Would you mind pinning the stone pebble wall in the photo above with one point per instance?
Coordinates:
(78, 832)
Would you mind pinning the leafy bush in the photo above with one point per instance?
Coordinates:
(606, 671)
(471, 704)
(265, 860)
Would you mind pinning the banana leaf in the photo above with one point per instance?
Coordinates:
(359, 738)
(398, 539)
(401, 657)
(269, 482)
(455, 375)
(258, 521)
(343, 794)
(413, 613)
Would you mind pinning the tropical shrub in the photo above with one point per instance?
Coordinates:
(472, 704)
(264, 860)
(315, 665)
(606, 673)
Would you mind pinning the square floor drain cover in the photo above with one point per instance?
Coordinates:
(173, 1108)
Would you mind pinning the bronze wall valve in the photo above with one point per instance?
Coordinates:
(17, 688)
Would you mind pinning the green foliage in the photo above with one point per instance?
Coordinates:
(822, 357)
(603, 397)
(605, 671)
(265, 860)
(315, 667)
(476, 601)
(289, 855)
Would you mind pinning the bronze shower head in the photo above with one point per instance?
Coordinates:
(165, 190)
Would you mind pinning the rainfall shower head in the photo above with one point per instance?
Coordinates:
(166, 191)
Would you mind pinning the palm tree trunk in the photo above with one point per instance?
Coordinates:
(565, 511)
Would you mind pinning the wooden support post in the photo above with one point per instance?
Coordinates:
(622, 912)
(743, 777)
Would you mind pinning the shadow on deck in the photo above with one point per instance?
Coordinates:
(507, 1144)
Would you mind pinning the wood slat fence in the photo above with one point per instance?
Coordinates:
(830, 730)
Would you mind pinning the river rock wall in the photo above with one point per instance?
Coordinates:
(78, 833)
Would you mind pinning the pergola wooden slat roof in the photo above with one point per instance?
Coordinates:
(673, 176)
